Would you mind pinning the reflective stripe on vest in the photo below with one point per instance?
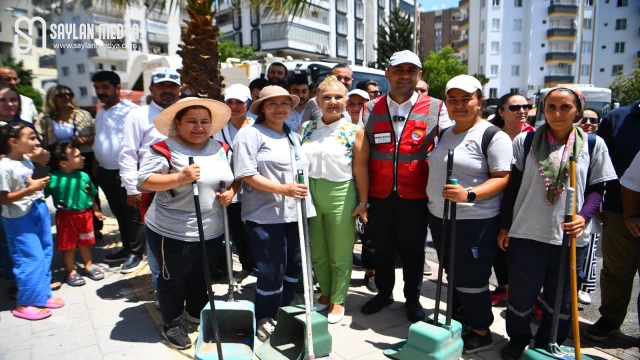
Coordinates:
(407, 168)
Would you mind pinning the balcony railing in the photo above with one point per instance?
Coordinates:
(275, 32)
(463, 43)
(567, 56)
(565, 79)
(465, 62)
(464, 22)
(463, 3)
(48, 61)
(568, 32)
(563, 9)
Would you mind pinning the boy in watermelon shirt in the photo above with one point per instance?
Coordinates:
(73, 196)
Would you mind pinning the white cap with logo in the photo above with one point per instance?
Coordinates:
(237, 91)
(360, 93)
(163, 74)
(465, 83)
(405, 57)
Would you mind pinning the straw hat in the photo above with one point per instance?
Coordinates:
(220, 115)
(272, 91)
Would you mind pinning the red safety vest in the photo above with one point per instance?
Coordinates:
(404, 167)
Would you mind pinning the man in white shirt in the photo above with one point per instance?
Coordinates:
(298, 87)
(28, 111)
(139, 134)
(108, 143)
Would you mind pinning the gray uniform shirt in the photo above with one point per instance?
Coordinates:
(260, 150)
(533, 217)
(175, 217)
(470, 167)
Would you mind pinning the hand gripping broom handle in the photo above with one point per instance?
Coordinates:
(205, 263)
(445, 218)
(305, 267)
(227, 245)
(572, 267)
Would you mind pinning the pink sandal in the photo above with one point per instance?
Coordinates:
(54, 302)
(32, 313)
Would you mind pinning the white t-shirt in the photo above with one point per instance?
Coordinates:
(631, 177)
(329, 149)
(109, 129)
(63, 132)
(470, 167)
(14, 176)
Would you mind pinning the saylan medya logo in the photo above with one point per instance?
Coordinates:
(74, 31)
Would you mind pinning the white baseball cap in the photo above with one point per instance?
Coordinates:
(237, 91)
(163, 74)
(465, 83)
(359, 93)
(405, 56)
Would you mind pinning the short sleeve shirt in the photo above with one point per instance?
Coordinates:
(71, 191)
(631, 177)
(14, 176)
(329, 149)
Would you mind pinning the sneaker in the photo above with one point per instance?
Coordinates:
(239, 276)
(265, 328)
(601, 330)
(537, 312)
(473, 342)
(177, 336)
(584, 298)
(498, 295)
(357, 263)
(427, 269)
(131, 264)
(370, 282)
(120, 256)
(512, 351)
(192, 319)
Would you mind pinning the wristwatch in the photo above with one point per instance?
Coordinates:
(366, 205)
(471, 196)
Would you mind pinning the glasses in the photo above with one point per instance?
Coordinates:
(274, 105)
(515, 108)
(374, 93)
(65, 95)
(591, 120)
(162, 76)
(343, 78)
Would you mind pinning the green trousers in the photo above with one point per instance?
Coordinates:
(332, 233)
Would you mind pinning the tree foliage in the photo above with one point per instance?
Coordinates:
(439, 68)
(483, 79)
(231, 49)
(26, 79)
(626, 87)
(395, 34)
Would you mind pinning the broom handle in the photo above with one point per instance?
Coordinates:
(205, 263)
(227, 245)
(452, 250)
(572, 269)
(445, 218)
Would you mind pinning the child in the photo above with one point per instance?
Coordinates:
(73, 195)
(27, 223)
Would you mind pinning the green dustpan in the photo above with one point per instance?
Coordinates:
(557, 352)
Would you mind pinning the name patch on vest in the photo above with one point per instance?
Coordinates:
(382, 138)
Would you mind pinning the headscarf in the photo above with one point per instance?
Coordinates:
(553, 166)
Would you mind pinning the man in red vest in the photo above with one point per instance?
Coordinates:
(401, 128)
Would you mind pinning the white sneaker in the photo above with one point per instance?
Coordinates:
(584, 298)
(192, 319)
(265, 328)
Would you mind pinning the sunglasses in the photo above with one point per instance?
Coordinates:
(375, 92)
(162, 76)
(515, 108)
(65, 95)
(591, 120)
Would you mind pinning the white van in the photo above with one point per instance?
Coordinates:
(316, 71)
(595, 97)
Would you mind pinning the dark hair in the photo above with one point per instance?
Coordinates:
(58, 152)
(278, 64)
(364, 84)
(594, 110)
(341, 66)
(498, 120)
(298, 80)
(7, 132)
(576, 98)
(258, 83)
(313, 86)
(180, 114)
(106, 75)
(6, 85)
(486, 112)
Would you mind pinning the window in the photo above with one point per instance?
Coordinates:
(83, 91)
(481, 48)
(495, 2)
(254, 16)
(359, 31)
(65, 71)
(622, 3)
(342, 6)
(80, 68)
(517, 24)
(483, 3)
(495, 47)
(515, 70)
(586, 46)
(495, 24)
(438, 33)
(421, 33)
(621, 24)
(514, 90)
(359, 10)
(482, 25)
(113, 68)
(589, 2)
(517, 47)
(493, 92)
(359, 52)
(255, 38)
(342, 48)
(61, 51)
(619, 47)
(100, 66)
(588, 24)
(494, 70)
(517, 3)
(481, 69)
(438, 47)
(584, 70)
(616, 69)
(342, 28)
(438, 19)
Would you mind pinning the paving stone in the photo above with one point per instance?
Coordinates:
(155, 351)
(127, 335)
(384, 319)
(17, 355)
(82, 353)
(67, 315)
(13, 339)
(62, 339)
(116, 312)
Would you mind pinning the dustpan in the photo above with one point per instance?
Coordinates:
(439, 339)
(236, 321)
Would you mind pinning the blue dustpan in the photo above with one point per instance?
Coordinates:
(237, 325)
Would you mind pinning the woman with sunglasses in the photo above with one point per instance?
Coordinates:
(590, 120)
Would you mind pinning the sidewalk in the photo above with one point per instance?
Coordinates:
(115, 319)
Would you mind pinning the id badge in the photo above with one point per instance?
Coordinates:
(382, 138)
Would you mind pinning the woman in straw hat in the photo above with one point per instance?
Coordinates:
(263, 159)
(337, 150)
(171, 222)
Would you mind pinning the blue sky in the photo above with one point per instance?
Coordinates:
(428, 5)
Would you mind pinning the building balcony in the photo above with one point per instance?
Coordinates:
(465, 62)
(563, 10)
(294, 36)
(463, 24)
(562, 33)
(463, 44)
(463, 4)
(104, 53)
(558, 79)
(561, 56)
(48, 61)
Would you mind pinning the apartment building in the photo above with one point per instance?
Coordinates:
(438, 29)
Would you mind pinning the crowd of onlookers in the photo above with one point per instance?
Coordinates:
(375, 171)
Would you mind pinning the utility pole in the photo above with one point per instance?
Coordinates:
(416, 21)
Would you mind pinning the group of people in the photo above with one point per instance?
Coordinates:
(373, 164)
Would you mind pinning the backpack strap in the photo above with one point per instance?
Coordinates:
(488, 135)
(591, 143)
(163, 148)
(528, 140)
